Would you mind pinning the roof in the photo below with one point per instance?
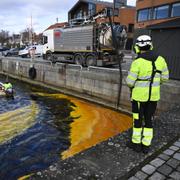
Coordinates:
(175, 23)
(97, 2)
(57, 25)
(105, 3)
(109, 4)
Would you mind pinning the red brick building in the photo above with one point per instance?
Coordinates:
(150, 12)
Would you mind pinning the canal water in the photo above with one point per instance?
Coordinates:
(39, 127)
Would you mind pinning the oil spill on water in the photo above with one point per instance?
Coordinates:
(39, 127)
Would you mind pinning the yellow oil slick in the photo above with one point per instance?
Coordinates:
(15, 122)
(25, 177)
(92, 124)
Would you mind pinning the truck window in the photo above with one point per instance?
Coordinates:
(45, 39)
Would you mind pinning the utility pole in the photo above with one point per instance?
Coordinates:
(31, 31)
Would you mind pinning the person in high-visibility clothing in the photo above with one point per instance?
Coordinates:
(7, 89)
(148, 71)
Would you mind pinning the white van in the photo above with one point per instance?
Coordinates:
(36, 50)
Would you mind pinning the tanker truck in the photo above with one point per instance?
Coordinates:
(85, 44)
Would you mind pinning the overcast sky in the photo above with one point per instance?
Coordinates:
(15, 15)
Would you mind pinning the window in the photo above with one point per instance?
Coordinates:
(79, 14)
(161, 12)
(45, 40)
(91, 9)
(143, 15)
(175, 10)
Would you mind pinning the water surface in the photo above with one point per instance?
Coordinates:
(40, 127)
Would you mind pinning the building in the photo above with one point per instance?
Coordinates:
(161, 20)
(151, 12)
(57, 25)
(15, 39)
(84, 9)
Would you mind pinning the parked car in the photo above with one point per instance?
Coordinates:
(2, 50)
(12, 52)
(24, 52)
(36, 50)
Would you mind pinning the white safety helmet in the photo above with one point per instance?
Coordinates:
(9, 92)
(143, 41)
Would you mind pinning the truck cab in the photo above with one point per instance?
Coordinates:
(48, 44)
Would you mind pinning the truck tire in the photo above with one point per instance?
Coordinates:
(91, 60)
(79, 59)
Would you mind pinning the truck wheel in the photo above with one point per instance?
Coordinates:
(91, 60)
(78, 59)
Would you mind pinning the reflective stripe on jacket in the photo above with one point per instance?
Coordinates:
(140, 77)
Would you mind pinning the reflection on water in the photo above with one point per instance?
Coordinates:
(31, 138)
(15, 122)
(39, 126)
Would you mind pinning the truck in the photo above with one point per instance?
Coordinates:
(85, 44)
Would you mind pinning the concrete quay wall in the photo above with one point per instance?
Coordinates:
(100, 85)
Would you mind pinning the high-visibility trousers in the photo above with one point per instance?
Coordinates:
(142, 121)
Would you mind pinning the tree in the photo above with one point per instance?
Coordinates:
(4, 37)
(25, 36)
(38, 38)
(28, 36)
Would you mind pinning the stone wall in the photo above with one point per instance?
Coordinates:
(96, 84)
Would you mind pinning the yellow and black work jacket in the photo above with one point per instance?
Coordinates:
(7, 86)
(146, 74)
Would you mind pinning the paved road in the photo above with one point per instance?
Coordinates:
(164, 166)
